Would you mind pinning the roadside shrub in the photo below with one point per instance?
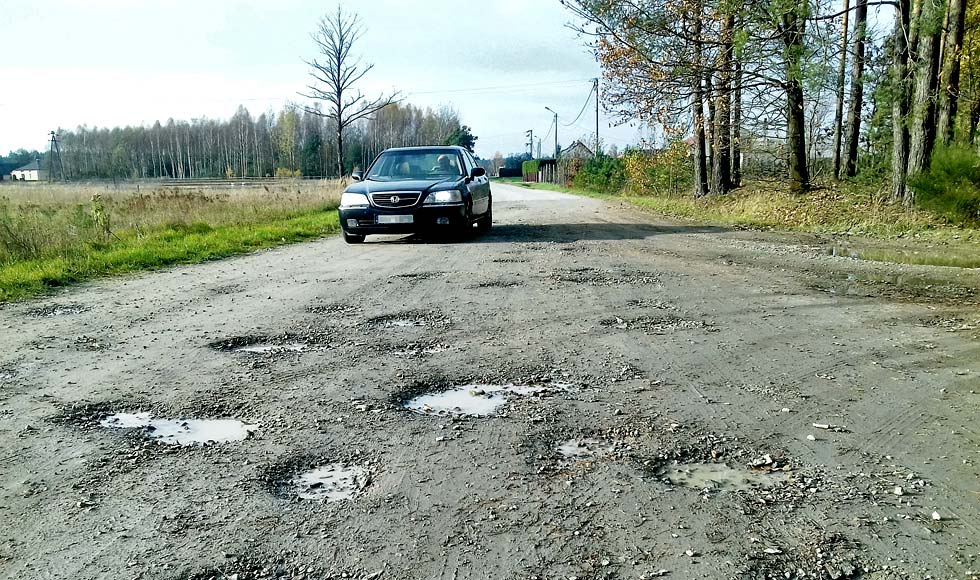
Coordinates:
(602, 173)
(951, 186)
(530, 169)
(665, 173)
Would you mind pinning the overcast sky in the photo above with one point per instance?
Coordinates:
(118, 62)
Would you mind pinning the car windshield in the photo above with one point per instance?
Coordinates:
(399, 165)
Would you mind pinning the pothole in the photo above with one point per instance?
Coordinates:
(654, 324)
(181, 431)
(598, 277)
(408, 319)
(331, 482)
(419, 349)
(336, 309)
(263, 345)
(499, 284)
(649, 303)
(510, 260)
(90, 343)
(475, 400)
(721, 477)
(583, 449)
(56, 310)
(418, 275)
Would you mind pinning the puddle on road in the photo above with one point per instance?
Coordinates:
(267, 348)
(331, 482)
(474, 400)
(420, 349)
(581, 449)
(181, 431)
(262, 344)
(895, 286)
(947, 257)
(719, 476)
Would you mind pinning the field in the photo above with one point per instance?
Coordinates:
(55, 234)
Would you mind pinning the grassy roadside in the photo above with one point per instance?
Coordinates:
(55, 238)
(860, 224)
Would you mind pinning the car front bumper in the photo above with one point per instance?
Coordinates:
(364, 220)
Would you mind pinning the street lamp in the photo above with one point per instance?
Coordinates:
(556, 131)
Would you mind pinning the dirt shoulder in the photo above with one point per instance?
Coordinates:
(665, 399)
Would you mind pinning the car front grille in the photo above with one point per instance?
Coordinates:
(395, 199)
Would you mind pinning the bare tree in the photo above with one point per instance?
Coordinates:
(337, 74)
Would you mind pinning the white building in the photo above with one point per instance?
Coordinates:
(30, 172)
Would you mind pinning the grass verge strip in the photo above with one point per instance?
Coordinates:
(159, 248)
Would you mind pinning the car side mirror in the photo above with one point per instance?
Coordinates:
(478, 172)
(356, 175)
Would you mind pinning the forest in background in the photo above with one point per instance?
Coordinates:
(290, 143)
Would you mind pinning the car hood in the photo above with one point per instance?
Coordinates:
(422, 185)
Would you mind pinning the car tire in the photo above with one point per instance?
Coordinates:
(486, 222)
(353, 238)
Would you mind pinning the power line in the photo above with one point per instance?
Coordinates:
(588, 100)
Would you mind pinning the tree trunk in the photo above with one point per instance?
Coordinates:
(792, 30)
(900, 103)
(841, 76)
(697, 114)
(721, 162)
(857, 87)
(922, 134)
(951, 53)
(737, 124)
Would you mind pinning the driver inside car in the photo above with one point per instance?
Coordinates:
(446, 166)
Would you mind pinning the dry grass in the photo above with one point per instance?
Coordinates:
(44, 220)
(52, 235)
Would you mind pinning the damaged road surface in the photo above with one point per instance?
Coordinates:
(585, 392)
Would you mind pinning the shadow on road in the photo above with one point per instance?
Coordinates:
(562, 233)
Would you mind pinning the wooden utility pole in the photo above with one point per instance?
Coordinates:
(595, 87)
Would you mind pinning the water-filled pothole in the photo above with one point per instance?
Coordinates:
(474, 400)
(331, 482)
(582, 449)
(718, 476)
(181, 431)
(263, 344)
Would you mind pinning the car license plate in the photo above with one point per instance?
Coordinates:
(396, 219)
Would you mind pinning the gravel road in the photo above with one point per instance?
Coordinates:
(628, 397)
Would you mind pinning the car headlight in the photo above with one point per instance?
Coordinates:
(448, 196)
(353, 200)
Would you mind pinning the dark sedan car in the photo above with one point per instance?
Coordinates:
(417, 190)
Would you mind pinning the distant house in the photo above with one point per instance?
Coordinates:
(576, 150)
(30, 172)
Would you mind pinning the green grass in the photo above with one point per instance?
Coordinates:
(157, 249)
(55, 235)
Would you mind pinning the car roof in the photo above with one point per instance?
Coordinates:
(427, 148)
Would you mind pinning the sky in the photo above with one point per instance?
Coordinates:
(102, 63)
